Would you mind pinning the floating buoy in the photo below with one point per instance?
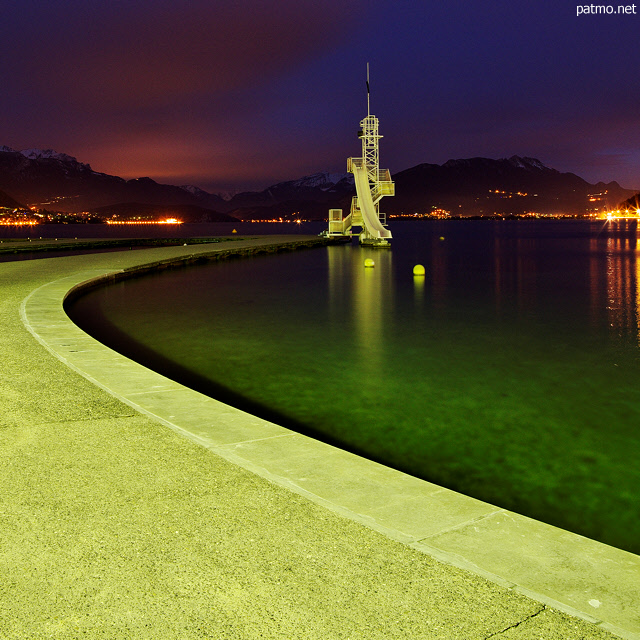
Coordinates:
(418, 270)
(185, 244)
(369, 263)
(441, 237)
(234, 231)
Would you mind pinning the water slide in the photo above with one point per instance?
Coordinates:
(365, 203)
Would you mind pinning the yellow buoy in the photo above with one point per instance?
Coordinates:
(234, 231)
(441, 237)
(418, 270)
(369, 263)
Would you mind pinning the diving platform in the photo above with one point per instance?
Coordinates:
(372, 184)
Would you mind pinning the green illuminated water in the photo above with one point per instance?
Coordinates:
(509, 373)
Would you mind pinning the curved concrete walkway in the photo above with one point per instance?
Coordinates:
(114, 526)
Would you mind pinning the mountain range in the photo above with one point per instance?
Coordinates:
(475, 186)
(482, 186)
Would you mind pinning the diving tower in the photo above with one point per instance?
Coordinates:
(372, 184)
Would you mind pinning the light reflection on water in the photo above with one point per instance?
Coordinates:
(621, 289)
(510, 372)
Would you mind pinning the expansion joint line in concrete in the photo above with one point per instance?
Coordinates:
(467, 523)
(515, 625)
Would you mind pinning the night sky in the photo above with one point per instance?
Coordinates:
(245, 93)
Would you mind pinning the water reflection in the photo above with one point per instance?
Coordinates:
(418, 291)
(516, 273)
(370, 290)
(528, 275)
(439, 273)
(622, 301)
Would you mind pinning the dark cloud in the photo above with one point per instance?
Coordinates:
(158, 87)
(141, 54)
(232, 94)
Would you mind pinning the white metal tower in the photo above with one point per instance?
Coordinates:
(372, 184)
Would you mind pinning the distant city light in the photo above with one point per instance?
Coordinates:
(297, 221)
(167, 221)
(622, 214)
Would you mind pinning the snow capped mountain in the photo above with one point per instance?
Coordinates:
(193, 190)
(528, 163)
(322, 180)
(50, 154)
(37, 154)
(226, 195)
(518, 162)
(43, 154)
(202, 194)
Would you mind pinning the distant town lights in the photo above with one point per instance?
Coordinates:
(167, 221)
(619, 214)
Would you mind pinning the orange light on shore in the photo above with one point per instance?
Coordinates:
(167, 221)
(16, 223)
(278, 220)
(627, 214)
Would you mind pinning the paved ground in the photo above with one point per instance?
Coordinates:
(113, 526)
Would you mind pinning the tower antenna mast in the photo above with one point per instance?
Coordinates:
(368, 104)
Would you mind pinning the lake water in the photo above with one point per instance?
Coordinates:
(49, 231)
(510, 372)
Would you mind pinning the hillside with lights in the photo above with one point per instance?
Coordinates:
(46, 186)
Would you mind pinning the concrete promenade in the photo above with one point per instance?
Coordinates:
(113, 524)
